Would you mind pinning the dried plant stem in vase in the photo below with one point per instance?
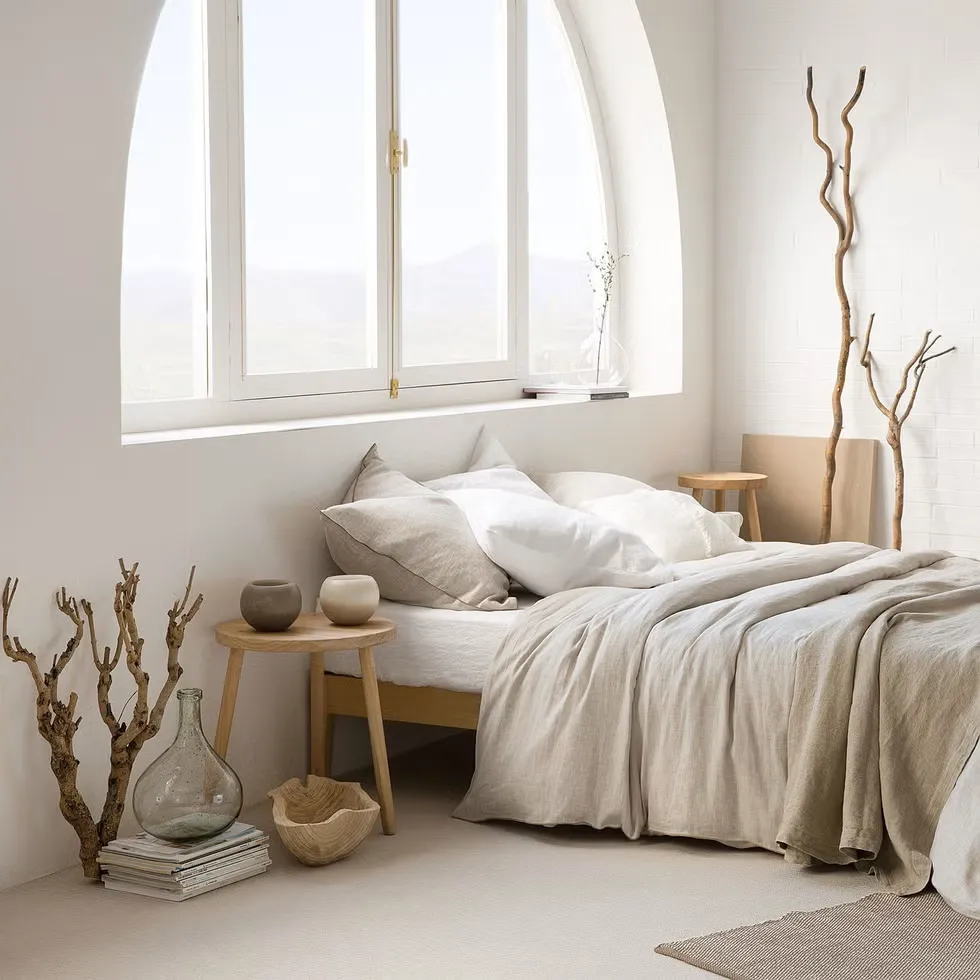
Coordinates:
(603, 357)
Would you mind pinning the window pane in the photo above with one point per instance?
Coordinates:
(566, 212)
(452, 98)
(164, 343)
(306, 186)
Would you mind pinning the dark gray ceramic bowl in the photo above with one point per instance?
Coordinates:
(271, 605)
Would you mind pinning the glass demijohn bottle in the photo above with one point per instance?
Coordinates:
(189, 793)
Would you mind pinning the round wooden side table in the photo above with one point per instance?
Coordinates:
(314, 635)
(722, 482)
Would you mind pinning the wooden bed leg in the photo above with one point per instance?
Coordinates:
(328, 721)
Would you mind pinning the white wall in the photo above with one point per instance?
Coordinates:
(72, 498)
(915, 259)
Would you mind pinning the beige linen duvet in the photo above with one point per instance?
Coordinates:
(820, 702)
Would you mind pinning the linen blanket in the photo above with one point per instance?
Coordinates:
(820, 703)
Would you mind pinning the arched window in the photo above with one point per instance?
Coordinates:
(367, 196)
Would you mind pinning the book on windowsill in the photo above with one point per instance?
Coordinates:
(144, 865)
(576, 393)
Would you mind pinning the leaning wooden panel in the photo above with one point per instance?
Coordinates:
(789, 507)
(421, 705)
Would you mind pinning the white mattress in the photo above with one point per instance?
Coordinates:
(435, 647)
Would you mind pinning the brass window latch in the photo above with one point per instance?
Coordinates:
(393, 388)
(397, 153)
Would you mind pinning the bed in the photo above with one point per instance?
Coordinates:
(822, 702)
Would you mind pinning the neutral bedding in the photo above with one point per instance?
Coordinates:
(819, 702)
(445, 648)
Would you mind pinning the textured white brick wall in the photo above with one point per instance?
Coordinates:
(916, 257)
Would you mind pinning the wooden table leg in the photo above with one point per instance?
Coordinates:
(379, 751)
(318, 718)
(698, 495)
(229, 695)
(719, 501)
(752, 508)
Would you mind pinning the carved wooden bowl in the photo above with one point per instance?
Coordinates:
(322, 820)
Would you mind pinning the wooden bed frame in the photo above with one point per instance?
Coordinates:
(344, 697)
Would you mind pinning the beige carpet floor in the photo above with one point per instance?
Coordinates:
(441, 899)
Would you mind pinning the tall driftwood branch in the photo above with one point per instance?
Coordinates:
(845, 236)
(56, 721)
(896, 413)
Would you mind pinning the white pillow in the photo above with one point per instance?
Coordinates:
(573, 489)
(490, 468)
(500, 478)
(548, 548)
(672, 525)
(488, 453)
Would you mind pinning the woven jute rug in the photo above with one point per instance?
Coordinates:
(881, 937)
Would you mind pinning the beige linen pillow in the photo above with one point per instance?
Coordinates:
(415, 543)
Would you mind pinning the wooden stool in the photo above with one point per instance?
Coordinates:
(314, 635)
(720, 482)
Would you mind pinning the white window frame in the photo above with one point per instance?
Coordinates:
(237, 397)
(504, 368)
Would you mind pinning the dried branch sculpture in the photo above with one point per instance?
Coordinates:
(845, 236)
(56, 721)
(897, 414)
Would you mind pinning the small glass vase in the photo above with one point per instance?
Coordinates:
(603, 361)
(190, 793)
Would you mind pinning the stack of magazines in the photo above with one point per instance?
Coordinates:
(145, 865)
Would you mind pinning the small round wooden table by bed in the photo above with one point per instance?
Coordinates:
(314, 635)
(720, 483)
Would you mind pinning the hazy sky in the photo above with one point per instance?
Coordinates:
(306, 62)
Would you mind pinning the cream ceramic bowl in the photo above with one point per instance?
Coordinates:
(349, 600)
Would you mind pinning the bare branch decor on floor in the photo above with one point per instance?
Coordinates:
(56, 721)
(845, 236)
(897, 414)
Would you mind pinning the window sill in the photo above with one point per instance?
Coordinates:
(509, 404)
